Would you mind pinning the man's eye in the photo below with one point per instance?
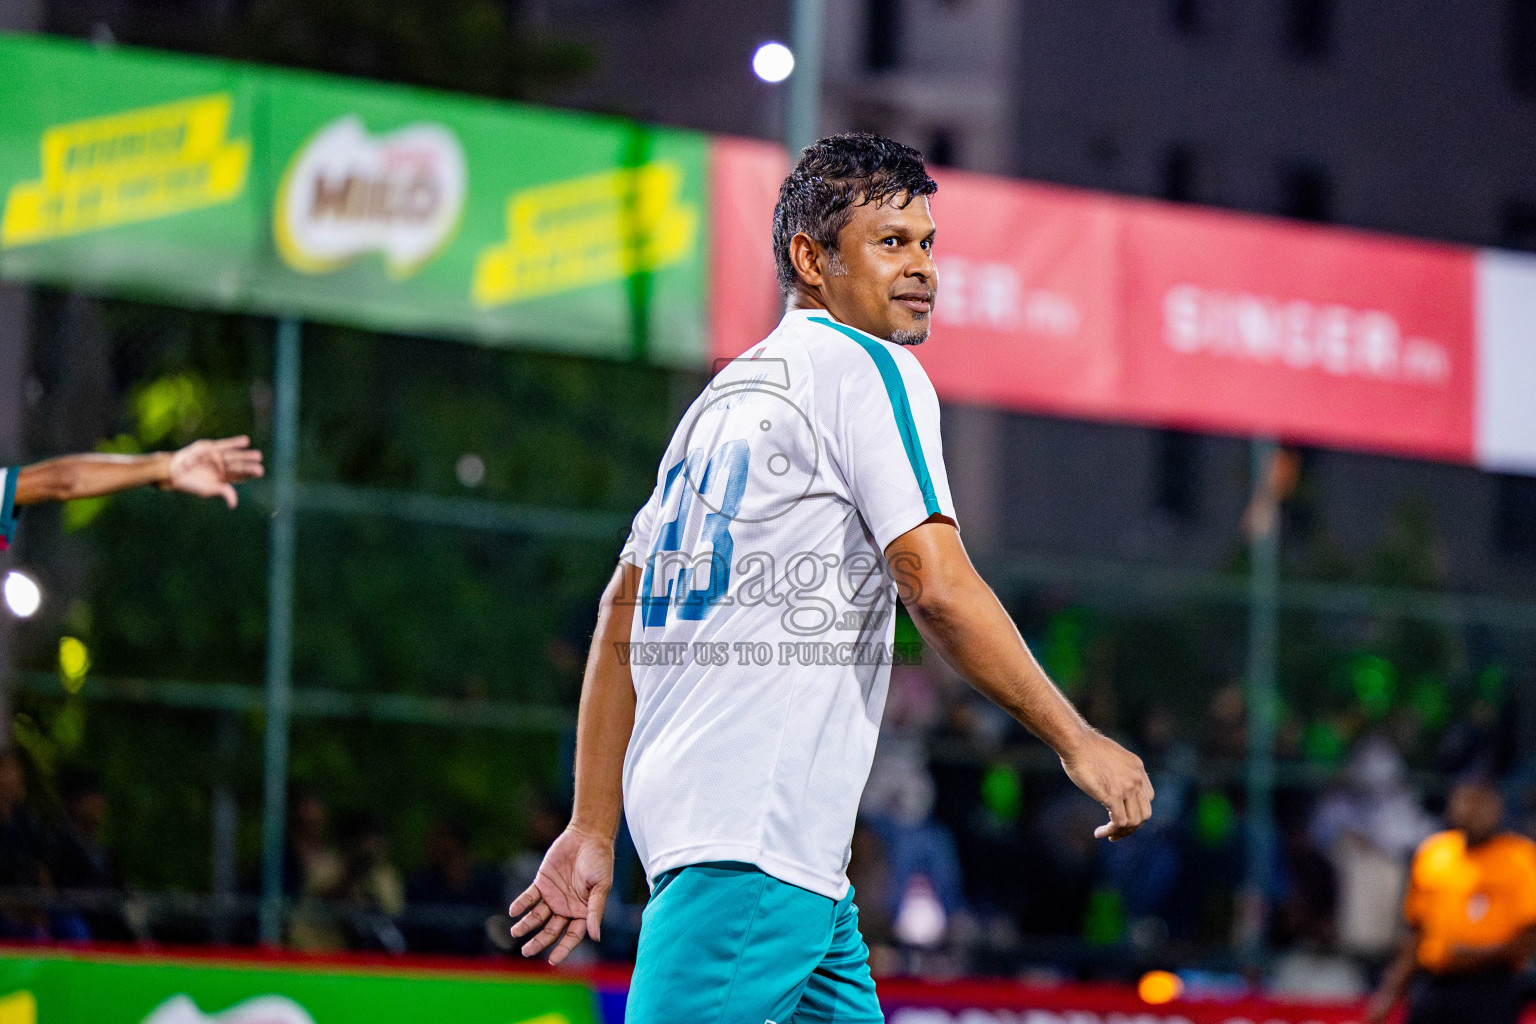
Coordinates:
(927, 245)
(890, 240)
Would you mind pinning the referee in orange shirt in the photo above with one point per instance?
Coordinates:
(1471, 912)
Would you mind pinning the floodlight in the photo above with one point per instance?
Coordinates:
(773, 62)
(22, 594)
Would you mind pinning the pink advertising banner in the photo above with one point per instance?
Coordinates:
(1074, 303)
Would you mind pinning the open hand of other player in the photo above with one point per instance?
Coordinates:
(210, 469)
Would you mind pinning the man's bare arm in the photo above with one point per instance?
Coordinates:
(607, 714)
(959, 615)
(204, 468)
(565, 901)
(1395, 979)
(88, 476)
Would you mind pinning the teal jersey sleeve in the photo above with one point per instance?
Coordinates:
(8, 506)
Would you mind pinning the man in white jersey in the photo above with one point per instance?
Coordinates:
(743, 647)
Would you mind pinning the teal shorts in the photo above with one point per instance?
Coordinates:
(725, 943)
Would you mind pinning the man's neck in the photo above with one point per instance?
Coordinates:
(799, 298)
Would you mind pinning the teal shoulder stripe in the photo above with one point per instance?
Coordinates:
(896, 390)
(8, 506)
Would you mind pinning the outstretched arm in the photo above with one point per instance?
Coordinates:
(959, 615)
(207, 469)
(565, 901)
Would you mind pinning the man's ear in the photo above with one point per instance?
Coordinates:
(808, 258)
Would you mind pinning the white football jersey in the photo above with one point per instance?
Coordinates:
(763, 631)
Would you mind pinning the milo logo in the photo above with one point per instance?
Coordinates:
(347, 193)
(180, 1009)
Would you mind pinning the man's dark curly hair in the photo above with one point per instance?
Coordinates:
(832, 177)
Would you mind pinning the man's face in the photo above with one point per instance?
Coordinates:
(1476, 810)
(882, 278)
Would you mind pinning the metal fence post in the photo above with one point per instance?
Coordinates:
(803, 119)
(224, 812)
(285, 450)
(1261, 696)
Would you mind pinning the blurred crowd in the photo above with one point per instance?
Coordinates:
(973, 855)
(343, 890)
(40, 861)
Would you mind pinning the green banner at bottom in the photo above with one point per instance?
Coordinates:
(103, 989)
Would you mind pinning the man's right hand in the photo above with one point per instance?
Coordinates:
(565, 901)
(959, 615)
(1114, 777)
(209, 469)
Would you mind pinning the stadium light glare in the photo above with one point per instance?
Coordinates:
(773, 62)
(22, 594)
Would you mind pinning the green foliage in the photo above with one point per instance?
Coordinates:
(170, 409)
(414, 775)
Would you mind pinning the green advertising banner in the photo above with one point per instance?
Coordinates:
(387, 207)
(129, 171)
(94, 989)
(410, 211)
